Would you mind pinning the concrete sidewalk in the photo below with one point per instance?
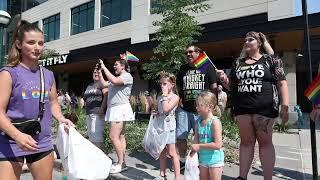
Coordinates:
(288, 163)
(306, 152)
(291, 162)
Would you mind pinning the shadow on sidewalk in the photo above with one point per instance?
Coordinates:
(146, 159)
(134, 173)
(280, 173)
(224, 177)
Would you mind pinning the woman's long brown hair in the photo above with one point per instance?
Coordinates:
(14, 56)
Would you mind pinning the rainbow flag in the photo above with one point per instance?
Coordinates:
(313, 90)
(202, 62)
(131, 57)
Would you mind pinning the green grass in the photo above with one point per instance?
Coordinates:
(230, 130)
(282, 128)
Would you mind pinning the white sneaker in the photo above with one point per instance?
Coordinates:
(117, 168)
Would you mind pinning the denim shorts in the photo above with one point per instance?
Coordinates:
(95, 128)
(217, 165)
(172, 137)
(185, 121)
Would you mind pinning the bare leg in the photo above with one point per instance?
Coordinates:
(204, 173)
(10, 170)
(175, 160)
(248, 140)
(264, 128)
(115, 129)
(42, 169)
(123, 140)
(215, 173)
(163, 162)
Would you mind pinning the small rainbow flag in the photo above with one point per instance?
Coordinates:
(131, 57)
(313, 90)
(202, 62)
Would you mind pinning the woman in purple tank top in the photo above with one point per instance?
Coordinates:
(19, 100)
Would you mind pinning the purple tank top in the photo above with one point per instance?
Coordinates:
(24, 104)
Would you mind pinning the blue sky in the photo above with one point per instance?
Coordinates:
(313, 7)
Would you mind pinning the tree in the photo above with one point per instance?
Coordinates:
(47, 53)
(177, 29)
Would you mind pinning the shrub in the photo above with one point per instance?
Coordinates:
(77, 115)
(230, 131)
(134, 135)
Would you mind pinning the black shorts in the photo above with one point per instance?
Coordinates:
(29, 158)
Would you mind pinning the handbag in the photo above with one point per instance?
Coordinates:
(32, 127)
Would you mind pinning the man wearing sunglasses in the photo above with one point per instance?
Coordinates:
(191, 82)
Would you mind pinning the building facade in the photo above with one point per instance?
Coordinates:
(86, 30)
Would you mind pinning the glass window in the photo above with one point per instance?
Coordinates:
(3, 5)
(28, 4)
(115, 11)
(82, 18)
(155, 4)
(51, 28)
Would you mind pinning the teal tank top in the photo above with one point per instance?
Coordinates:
(205, 135)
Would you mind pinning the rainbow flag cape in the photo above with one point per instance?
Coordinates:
(313, 90)
(202, 62)
(131, 57)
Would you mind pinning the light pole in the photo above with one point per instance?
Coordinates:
(4, 21)
(308, 58)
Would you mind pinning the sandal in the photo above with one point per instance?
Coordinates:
(240, 178)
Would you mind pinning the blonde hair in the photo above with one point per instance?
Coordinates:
(14, 55)
(171, 78)
(209, 99)
(265, 46)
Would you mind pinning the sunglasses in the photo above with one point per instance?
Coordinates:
(250, 39)
(189, 52)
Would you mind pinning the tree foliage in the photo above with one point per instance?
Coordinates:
(177, 29)
(47, 53)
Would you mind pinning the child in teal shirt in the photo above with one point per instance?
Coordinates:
(208, 137)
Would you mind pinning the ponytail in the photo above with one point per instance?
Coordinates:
(14, 55)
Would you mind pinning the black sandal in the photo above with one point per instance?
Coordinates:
(240, 178)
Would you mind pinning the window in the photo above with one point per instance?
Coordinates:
(155, 4)
(82, 18)
(28, 4)
(115, 11)
(51, 28)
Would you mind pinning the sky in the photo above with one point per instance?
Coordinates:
(313, 7)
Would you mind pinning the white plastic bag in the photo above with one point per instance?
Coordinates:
(191, 171)
(80, 158)
(63, 146)
(156, 137)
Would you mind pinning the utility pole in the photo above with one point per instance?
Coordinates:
(308, 56)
